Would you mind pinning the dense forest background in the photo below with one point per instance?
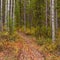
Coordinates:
(39, 18)
(36, 18)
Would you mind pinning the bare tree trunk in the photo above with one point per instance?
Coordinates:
(29, 15)
(6, 14)
(11, 11)
(46, 14)
(0, 15)
(24, 15)
(3, 9)
(53, 21)
(50, 13)
(13, 14)
(1, 22)
(56, 16)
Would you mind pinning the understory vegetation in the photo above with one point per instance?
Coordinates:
(36, 19)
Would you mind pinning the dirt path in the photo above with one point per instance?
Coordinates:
(29, 51)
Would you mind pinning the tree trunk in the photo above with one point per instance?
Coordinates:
(50, 13)
(6, 14)
(13, 14)
(56, 16)
(24, 15)
(46, 14)
(53, 21)
(1, 21)
(3, 12)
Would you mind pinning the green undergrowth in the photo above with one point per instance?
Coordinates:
(52, 50)
(10, 37)
(28, 30)
(10, 43)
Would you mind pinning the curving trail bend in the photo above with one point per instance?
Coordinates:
(30, 51)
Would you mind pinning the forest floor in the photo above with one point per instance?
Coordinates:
(26, 49)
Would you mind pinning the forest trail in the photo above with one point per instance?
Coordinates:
(30, 49)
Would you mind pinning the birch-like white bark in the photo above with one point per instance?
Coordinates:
(1, 18)
(53, 21)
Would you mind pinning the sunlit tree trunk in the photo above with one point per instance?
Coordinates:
(1, 21)
(53, 21)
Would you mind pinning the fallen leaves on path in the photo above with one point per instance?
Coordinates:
(20, 50)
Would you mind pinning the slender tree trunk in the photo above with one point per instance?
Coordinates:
(11, 18)
(13, 14)
(50, 13)
(53, 21)
(1, 18)
(29, 15)
(56, 16)
(24, 15)
(5, 15)
(46, 14)
(11, 11)
(8, 14)
(0, 15)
